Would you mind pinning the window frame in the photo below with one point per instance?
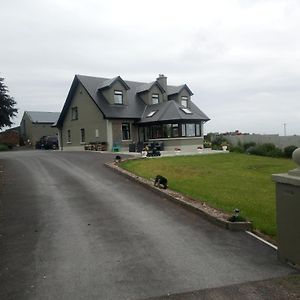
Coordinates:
(118, 93)
(74, 113)
(82, 136)
(174, 130)
(156, 97)
(128, 131)
(69, 137)
(186, 100)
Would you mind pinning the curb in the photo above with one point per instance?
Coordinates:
(209, 213)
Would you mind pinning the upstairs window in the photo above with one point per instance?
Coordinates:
(125, 131)
(155, 98)
(184, 101)
(74, 115)
(118, 97)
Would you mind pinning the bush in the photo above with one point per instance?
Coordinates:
(237, 149)
(255, 150)
(206, 144)
(4, 147)
(267, 149)
(288, 151)
(275, 153)
(246, 146)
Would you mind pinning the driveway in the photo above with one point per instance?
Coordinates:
(72, 229)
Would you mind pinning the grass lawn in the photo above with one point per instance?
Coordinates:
(225, 181)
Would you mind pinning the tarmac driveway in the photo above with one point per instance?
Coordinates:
(72, 229)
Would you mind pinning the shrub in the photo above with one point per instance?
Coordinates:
(267, 149)
(246, 146)
(3, 147)
(275, 153)
(288, 151)
(206, 144)
(237, 149)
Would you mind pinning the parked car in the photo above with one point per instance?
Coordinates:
(47, 142)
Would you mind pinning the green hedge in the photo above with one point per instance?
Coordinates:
(3, 147)
(267, 149)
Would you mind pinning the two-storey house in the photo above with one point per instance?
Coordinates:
(120, 112)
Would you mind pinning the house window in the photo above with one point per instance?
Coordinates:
(167, 131)
(186, 111)
(190, 129)
(125, 131)
(96, 133)
(183, 130)
(175, 131)
(152, 113)
(155, 98)
(184, 101)
(82, 135)
(198, 130)
(69, 136)
(118, 97)
(74, 113)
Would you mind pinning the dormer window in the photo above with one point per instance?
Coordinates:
(184, 101)
(155, 98)
(118, 97)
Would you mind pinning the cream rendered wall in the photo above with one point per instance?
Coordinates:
(89, 117)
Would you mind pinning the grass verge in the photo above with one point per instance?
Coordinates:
(223, 181)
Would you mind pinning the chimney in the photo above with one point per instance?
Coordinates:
(162, 80)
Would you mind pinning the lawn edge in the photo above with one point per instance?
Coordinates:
(211, 214)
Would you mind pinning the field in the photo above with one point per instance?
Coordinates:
(224, 181)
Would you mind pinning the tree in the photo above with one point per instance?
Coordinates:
(7, 103)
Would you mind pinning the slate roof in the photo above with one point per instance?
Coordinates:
(42, 116)
(177, 89)
(147, 86)
(171, 111)
(109, 82)
(136, 108)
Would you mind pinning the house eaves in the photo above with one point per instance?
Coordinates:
(173, 90)
(42, 117)
(147, 86)
(171, 111)
(108, 83)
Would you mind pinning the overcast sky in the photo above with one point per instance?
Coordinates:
(241, 58)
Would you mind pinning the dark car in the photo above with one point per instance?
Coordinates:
(47, 142)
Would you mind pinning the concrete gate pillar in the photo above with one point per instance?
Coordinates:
(288, 213)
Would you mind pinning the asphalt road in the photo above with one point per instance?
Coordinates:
(72, 229)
